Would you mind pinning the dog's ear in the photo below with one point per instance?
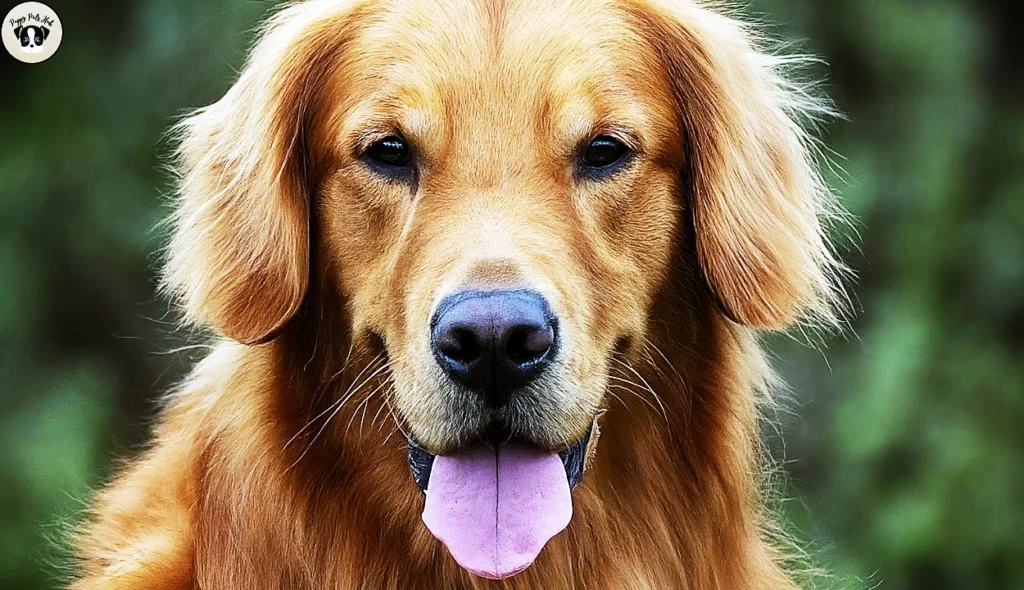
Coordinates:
(239, 255)
(17, 31)
(755, 196)
(46, 32)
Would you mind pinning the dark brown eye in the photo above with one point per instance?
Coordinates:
(392, 151)
(603, 151)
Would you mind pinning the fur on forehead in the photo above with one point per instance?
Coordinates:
(516, 72)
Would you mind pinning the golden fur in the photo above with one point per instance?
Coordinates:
(280, 462)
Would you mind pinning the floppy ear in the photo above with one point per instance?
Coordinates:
(17, 31)
(756, 199)
(238, 258)
(46, 32)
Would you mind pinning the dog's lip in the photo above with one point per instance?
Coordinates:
(421, 461)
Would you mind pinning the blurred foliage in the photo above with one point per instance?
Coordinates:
(905, 446)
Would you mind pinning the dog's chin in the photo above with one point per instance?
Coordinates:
(36, 49)
(496, 503)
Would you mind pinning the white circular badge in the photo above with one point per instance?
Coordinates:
(31, 32)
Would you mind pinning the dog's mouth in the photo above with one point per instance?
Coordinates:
(495, 505)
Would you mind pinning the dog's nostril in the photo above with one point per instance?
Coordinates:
(529, 343)
(460, 345)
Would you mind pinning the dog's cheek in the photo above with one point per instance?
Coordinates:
(357, 235)
(407, 401)
(420, 404)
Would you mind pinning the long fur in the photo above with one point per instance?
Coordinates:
(280, 462)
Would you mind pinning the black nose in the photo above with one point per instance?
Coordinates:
(494, 341)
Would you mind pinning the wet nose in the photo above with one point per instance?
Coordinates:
(494, 341)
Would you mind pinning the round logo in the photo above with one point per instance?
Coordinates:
(31, 32)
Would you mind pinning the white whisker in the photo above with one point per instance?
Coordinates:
(364, 403)
(398, 423)
(380, 409)
(352, 391)
(647, 386)
(331, 406)
(634, 393)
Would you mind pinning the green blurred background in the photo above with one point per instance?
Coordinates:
(904, 443)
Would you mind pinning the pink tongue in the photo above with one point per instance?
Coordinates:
(495, 510)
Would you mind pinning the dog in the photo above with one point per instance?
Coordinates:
(486, 281)
(31, 37)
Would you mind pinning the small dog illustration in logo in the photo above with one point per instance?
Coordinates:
(32, 37)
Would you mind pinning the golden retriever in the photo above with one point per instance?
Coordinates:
(522, 244)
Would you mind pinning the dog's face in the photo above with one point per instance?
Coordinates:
(499, 208)
(499, 192)
(31, 37)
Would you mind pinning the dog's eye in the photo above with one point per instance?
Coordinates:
(603, 151)
(390, 151)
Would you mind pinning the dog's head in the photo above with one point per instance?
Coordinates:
(499, 191)
(31, 37)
